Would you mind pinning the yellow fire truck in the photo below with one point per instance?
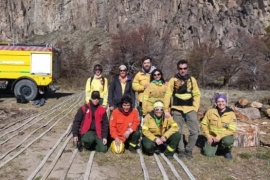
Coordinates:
(28, 69)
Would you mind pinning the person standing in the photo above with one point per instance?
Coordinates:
(154, 92)
(218, 126)
(120, 86)
(142, 80)
(97, 83)
(124, 125)
(185, 94)
(90, 125)
(159, 133)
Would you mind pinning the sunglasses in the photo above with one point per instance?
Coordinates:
(157, 74)
(183, 68)
(159, 110)
(97, 69)
(122, 70)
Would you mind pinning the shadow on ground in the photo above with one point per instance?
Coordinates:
(46, 96)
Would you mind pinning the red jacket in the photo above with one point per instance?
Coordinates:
(85, 126)
(120, 123)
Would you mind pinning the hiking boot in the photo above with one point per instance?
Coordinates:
(157, 151)
(132, 149)
(228, 155)
(169, 156)
(182, 154)
(188, 154)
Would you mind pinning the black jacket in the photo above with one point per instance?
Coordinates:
(79, 118)
(115, 92)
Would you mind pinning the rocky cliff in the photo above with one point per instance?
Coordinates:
(188, 21)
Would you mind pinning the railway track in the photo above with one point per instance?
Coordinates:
(40, 147)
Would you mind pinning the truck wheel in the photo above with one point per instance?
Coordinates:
(27, 88)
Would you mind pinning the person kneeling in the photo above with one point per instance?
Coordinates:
(218, 126)
(159, 133)
(124, 123)
(91, 124)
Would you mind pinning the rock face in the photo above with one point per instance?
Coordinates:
(250, 112)
(187, 22)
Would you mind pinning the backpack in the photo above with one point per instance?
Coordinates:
(103, 79)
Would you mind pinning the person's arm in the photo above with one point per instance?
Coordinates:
(173, 128)
(132, 93)
(87, 90)
(113, 124)
(136, 121)
(145, 98)
(196, 95)
(136, 86)
(77, 122)
(111, 93)
(168, 95)
(105, 93)
(205, 125)
(145, 129)
(105, 126)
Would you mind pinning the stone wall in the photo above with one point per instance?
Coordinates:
(188, 22)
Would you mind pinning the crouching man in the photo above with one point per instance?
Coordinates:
(160, 133)
(124, 124)
(91, 124)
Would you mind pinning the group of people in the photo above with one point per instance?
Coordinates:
(161, 111)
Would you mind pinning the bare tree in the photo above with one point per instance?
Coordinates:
(129, 46)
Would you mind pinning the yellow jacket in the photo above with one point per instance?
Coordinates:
(97, 84)
(150, 129)
(151, 94)
(139, 81)
(192, 88)
(216, 126)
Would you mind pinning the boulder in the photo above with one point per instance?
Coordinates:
(250, 112)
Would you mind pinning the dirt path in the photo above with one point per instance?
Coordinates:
(36, 144)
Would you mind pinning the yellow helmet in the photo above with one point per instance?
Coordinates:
(117, 149)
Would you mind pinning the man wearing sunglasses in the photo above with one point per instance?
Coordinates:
(186, 95)
(159, 133)
(142, 80)
(97, 83)
(120, 86)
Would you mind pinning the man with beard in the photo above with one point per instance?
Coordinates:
(142, 80)
(124, 123)
(185, 94)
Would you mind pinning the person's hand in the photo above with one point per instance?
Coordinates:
(75, 139)
(111, 108)
(167, 114)
(126, 134)
(117, 141)
(215, 139)
(163, 139)
(145, 86)
(158, 141)
(210, 140)
(104, 140)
